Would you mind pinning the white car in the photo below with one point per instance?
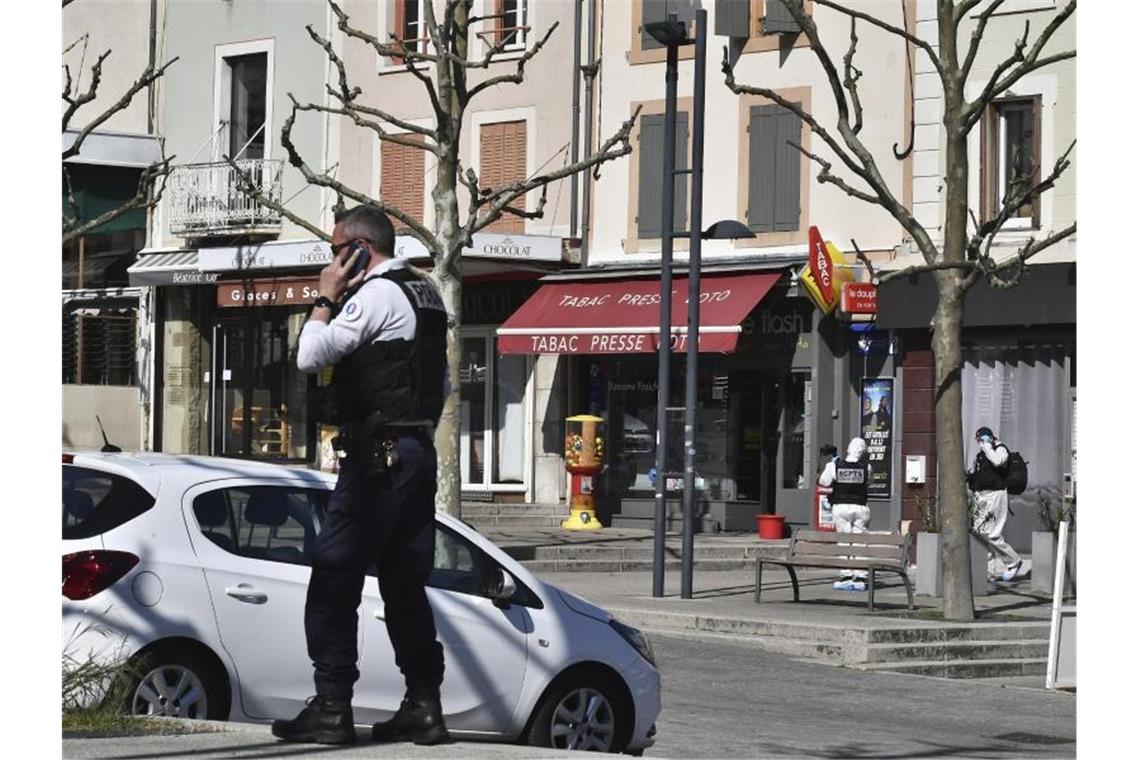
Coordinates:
(196, 568)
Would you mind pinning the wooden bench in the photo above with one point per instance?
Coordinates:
(873, 552)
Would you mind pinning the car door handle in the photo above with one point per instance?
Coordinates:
(378, 613)
(243, 592)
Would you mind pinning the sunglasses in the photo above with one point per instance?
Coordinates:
(336, 249)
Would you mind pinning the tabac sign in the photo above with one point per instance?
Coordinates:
(825, 273)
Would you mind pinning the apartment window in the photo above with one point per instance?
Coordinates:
(247, 107)
(411, 25)
(774, 168)
(763, 24)
(402, 178)
(99, 343)
(502, 162)
(650, 174)
(1011, 157)
(510, 26)
(778, 19)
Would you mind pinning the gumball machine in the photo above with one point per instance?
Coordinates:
(584, 456)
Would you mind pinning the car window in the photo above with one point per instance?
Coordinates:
(458, 565)
(274, 523)
(94, 502)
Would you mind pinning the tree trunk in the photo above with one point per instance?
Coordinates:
(445, 273)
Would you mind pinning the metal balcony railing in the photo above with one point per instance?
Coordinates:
(206, 199)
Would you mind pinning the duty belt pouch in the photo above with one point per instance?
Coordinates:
(369, 447)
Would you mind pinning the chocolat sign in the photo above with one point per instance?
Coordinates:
(522, 247)
(623, 316)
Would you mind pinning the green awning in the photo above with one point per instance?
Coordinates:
(99, 189)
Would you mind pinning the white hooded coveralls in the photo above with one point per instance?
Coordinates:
(849, 518)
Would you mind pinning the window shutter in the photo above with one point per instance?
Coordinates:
(651, 146)
(399, 19)
(402, 180)
(652, 10)
(499, 22)
(787, 162)
(502, 161)
(733, 18)
(773, 170)
(778, 19)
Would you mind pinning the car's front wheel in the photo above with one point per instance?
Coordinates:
(178, 684)
(584, 713)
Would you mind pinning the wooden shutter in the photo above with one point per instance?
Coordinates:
(733, 18)
(988, 163)
(652, 10)
(651, 148)
(502, 161)
(402, 180)
(778, 19)
(773, 170)
(399, 19)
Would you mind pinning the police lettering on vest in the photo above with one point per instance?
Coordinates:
(850, 485)
(397, 381)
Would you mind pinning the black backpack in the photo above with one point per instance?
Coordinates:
(1016, 474)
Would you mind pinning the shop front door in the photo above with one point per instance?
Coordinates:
(257, 395)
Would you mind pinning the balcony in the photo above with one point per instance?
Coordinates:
(205, 200)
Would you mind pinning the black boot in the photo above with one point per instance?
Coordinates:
(419, 720)
(325, 720)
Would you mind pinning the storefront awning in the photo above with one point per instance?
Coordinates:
(623, 316)
(168, 267)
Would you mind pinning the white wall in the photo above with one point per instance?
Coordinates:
(117, 407)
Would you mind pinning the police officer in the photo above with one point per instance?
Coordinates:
(986, 479)
(387, 343)
(848, 479)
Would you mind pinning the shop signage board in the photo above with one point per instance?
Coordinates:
(485, 245)
(860, 298)
(877, 427)
(825, 272)
(292, 291)
(623, 316)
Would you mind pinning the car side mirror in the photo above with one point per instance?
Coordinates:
(501, 588)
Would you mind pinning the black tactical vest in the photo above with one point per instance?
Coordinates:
(987, 477)
(400, 381)
(850, 485)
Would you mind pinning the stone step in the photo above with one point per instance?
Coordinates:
(619, 565)
(955, 651)
(1001, 668)
(700, 525)
(514, 521)
(970, 632)
(834, 637)
(741, 552)
(492, 509)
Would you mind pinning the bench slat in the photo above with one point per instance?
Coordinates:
(831, 537)
(857, 564)
(803, 549)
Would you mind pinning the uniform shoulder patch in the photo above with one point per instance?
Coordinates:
(351, 311)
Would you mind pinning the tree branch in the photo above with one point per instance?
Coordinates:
(142, 199)
(917, 41)
(997, 274)
(149, 75)
(517, 77)
(825, 176)
(976, 37)
(851, 77)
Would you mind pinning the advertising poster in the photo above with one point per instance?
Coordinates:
(877, 421)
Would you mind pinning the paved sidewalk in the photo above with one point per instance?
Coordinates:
(253, 741)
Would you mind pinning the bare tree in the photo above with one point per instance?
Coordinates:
(964, 256)
(152, 179)
(447, 86)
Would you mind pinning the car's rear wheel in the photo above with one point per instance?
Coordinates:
(584, 712)
(178, 684)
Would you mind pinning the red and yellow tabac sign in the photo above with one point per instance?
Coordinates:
(825, 273)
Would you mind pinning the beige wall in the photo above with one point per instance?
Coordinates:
(124, 29)
(117, 407)
(542, 99)
(839, 217)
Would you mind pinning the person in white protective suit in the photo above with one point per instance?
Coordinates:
(848, 478)
(986, 479)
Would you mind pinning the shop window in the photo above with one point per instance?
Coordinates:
(650, 175)
(774, 169)
(1011, 157)
(99, 343)
(493, 392)
(402, 178)
(247, 76)
(502, 162)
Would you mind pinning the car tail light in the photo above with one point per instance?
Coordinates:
(68, 458)
(85, 574)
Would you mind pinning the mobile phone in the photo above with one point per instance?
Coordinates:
(360, 263)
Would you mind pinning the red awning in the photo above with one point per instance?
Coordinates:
(623, 316)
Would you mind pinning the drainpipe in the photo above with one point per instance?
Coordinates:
(150, 62)
(575, 116)
(591, 71)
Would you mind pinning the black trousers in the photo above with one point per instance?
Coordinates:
(387, 520)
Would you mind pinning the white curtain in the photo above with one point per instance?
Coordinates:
(1021, 394)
